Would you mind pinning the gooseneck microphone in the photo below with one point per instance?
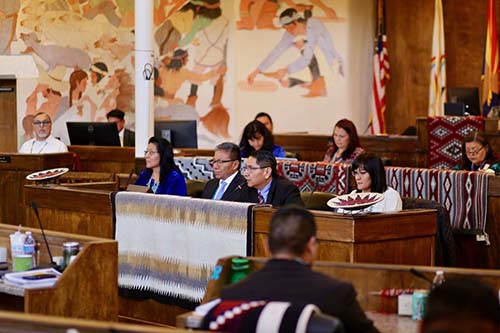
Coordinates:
(52, 263)
(316, 185)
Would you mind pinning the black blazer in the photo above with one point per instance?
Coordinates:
(292, 281)
(128, 138)
(234, 192)
(282, 192)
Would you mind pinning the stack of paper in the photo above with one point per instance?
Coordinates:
(37, 278)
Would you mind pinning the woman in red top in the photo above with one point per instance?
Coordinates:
(345, 147)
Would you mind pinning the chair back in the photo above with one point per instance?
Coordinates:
(317, 200)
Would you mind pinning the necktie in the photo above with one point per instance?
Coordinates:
(261, 198)
(220, 190)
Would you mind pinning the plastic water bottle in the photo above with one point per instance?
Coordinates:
(29, 246)
(17, 244)
(438, 279)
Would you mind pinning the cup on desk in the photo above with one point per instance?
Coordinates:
(22, 262)
(3, 254)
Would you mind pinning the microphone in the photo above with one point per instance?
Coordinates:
(129, 177)
(420, 275)
(316, 185)
(52, 263)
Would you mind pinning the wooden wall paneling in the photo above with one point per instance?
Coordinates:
(105, 159)
(8, 115)
(409, 42)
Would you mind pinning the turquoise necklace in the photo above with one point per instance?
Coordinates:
(153, 185)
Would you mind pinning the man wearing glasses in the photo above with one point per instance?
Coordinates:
(264, 184)
(43, 142)
(229, 184)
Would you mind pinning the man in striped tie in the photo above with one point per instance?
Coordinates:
(264, 184)
(229, 184)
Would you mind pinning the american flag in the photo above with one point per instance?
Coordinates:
(380, 73)
(490, 63)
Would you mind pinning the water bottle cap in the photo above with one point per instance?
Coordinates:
(439, 272)
(28, 232)
(239, 261)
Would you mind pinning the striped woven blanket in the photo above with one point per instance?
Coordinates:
(168, 245)
(462, 193)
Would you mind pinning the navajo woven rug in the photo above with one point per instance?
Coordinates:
(316, 176)
(446, 135)
(168, 245)
(462, 193)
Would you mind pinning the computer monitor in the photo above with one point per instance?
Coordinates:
(180, 133)
(468, 96)
(93, 134)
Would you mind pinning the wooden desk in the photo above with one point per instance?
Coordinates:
(16, 322)
(405, 237)
(88, 288)
(13, 170)
(400, 150)
(105, 159)
(70, 209)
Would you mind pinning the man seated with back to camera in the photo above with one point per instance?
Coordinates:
(288, 277)
(264, 183)
(462, 305)
(43, 142)
(228, 184)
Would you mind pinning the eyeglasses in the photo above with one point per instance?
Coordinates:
(473, 151)
(149, 152)
(40, 123)
(213, 162)
(252, 168)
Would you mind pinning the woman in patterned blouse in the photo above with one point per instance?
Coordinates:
(345, 147)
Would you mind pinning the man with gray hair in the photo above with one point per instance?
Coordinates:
(228, 184)
(43, 142)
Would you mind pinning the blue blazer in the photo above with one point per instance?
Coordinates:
(174, 184)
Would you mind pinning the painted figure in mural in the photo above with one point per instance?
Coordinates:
(8, 21)
(49, 106)
(55, 55)
(92, 8)
(316, 35)
(171, 31)
(74, 107)
(173, 73)
(259, 14)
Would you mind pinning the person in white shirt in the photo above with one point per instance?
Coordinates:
(43, 142)
(368, 171)
(127, 137)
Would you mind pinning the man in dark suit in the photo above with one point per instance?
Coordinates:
(127, 137)
(229, 184)
(264, 183)
(288, 277)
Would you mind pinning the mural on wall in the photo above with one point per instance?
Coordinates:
(84, 53)
(300, 73)
(207, 53)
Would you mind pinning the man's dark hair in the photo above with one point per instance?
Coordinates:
(266, 159)
(289, 12)
(463, 298)
(264, 114)
(102, 68)
(116, 113)
(231, 148)
(375, 168)
(290, 230)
